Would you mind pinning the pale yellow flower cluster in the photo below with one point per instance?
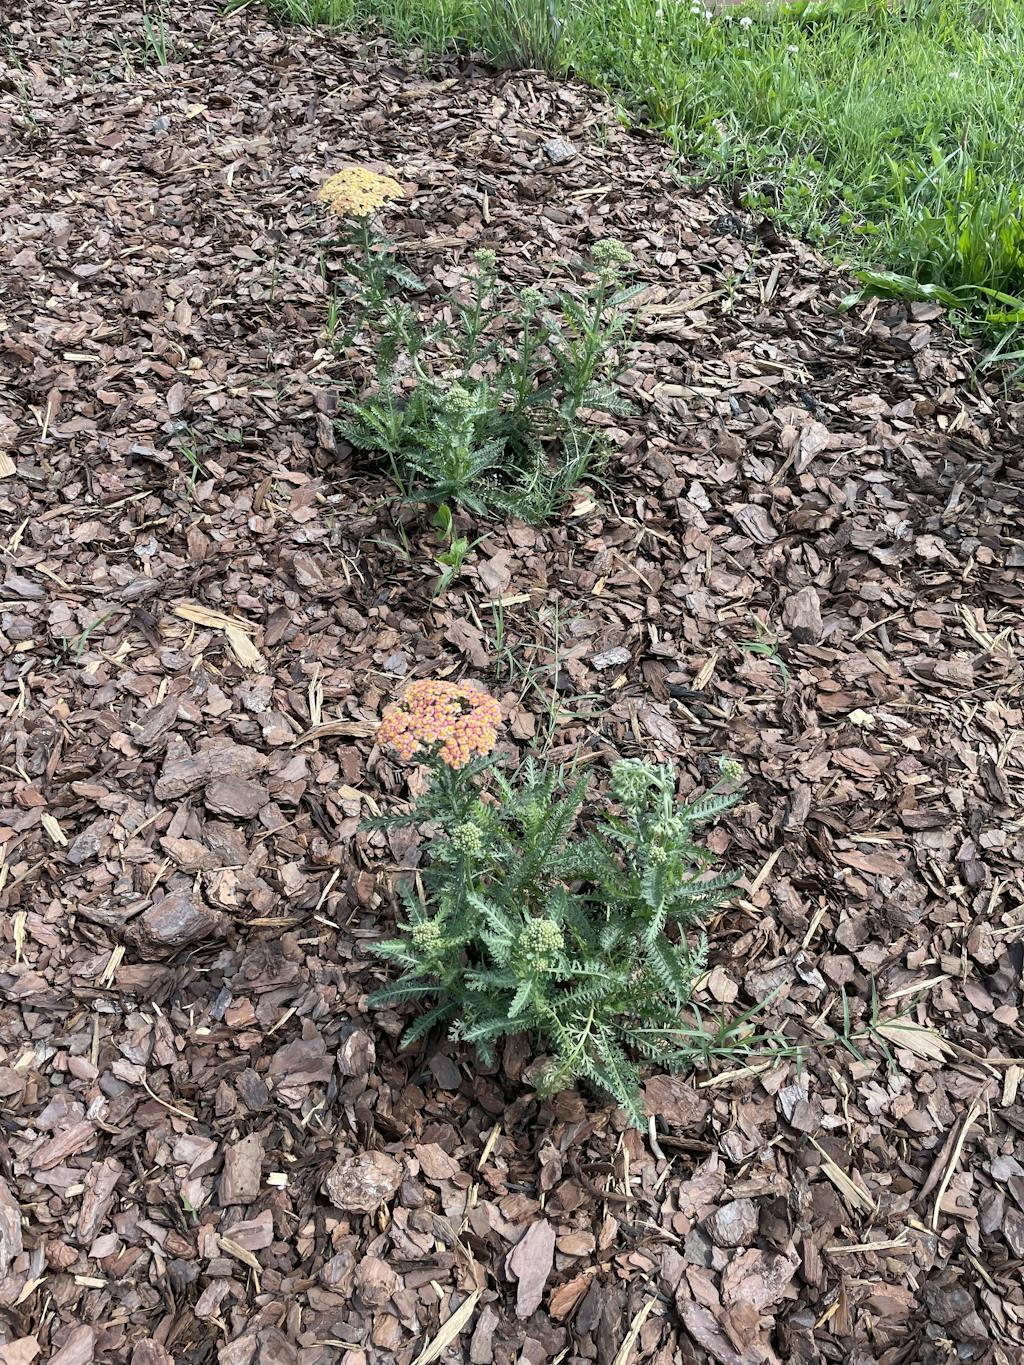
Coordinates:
(357, 192)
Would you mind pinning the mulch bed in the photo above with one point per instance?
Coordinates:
(807, 556)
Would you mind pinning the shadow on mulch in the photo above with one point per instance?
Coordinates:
(807, 556)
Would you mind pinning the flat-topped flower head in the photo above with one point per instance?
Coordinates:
(539, 941)
(611, 257)
(427, 936)
(459, 399)
(468, 839)
(532, 299)
(731, 769)
(455, 721)
(610, 251)
(357, 192)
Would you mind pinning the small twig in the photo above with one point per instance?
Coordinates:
(624, 1352)
(174, 1110)
(954, 1159)
(652, 1137)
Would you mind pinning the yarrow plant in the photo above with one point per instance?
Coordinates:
(357, 196)
(532, 921)
(488, 412)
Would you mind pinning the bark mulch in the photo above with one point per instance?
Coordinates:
(807, 556)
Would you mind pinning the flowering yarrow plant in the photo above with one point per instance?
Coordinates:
(453, 721)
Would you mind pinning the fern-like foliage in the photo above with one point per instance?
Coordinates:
(530, 923)
(510, 442)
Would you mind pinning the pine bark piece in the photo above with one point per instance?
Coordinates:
(150, 1352)
(98, 1196)
(481, 1344)
(304, 1061)
(235, 796)
(375, 1282)
(759, 1278)
(190, 855)
(530, 1261)
(156, 722)
(802, 614)
(559, 150)
(360, 1184)
(78, 1349)
(338, 1274)
(178, 921)
(243, 1171)
(76, 1137)
(435, 1163)
(356, 1054)
(611, 658)
(218, 759)
(21, 1351)
(10, 1228)
(734, 1224)
(254, 1234)
(755, 522)
(676, 1101)
(275, 1348)
(702, 1325)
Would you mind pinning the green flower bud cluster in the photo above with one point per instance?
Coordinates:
(426, 936)
(731, 769)
(664, 836)
(485, 259)
(611, 252)
(459, 399)
(540, 940)
(467, 839)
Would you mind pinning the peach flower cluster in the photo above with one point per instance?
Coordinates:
(454, 720)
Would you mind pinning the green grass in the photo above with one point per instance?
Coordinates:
(889, 134)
